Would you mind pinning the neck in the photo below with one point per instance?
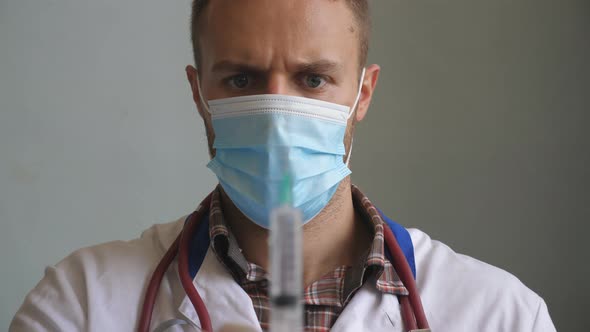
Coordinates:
(335, 237)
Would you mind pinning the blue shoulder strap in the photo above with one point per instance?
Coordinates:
(200, 244)
(404, 240)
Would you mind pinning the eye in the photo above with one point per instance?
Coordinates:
(239, 81)
(314, 81)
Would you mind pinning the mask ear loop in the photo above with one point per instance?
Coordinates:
(201, 99)
(358, 97)
(349, 152)
(358, 94)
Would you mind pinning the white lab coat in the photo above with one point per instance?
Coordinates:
(101, 288)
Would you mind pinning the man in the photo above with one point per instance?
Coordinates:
(280, 85)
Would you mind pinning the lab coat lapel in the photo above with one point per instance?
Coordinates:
(370, 310)
(224, 298)
(228, 303)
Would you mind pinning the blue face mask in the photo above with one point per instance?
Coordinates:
(261, 138)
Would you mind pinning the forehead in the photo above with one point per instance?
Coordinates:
(278, 31)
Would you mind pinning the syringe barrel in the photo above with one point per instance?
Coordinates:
(286, 269)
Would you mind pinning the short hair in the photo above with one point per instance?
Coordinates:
(360, 9)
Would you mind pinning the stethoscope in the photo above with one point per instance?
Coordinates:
(411, 306)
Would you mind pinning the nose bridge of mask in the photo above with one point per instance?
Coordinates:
(279, 104)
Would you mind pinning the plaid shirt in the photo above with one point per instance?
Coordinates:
(325, 298)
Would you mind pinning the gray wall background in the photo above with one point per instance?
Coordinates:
(477, 135)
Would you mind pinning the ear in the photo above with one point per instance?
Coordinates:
(192, 76)
(369, 84)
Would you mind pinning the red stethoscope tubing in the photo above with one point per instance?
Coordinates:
(411, 305)
(181, 242)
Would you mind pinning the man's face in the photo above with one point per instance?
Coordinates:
(307, 48)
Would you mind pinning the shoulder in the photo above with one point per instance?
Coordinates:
(124, 255)
(432, 255)
(94, 282)
(477, 293)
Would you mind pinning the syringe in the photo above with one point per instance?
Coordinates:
(286, 268)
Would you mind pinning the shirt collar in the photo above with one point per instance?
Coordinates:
(388, 280)
(344, 281)
(226, 247)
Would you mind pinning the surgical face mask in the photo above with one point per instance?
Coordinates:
(260, 139)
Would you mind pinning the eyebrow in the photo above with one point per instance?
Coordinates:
(229, 65)
(320, 66)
